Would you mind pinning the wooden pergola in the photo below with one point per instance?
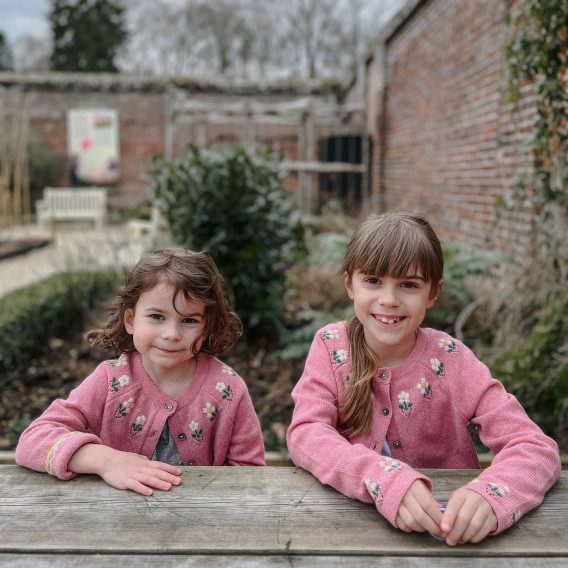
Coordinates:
(305, 114)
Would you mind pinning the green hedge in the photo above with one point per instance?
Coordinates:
(31, 316)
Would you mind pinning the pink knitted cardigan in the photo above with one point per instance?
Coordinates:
(422, 409)
(213, 422)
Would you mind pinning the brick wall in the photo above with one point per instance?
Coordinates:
(445, 140)
(144, 109)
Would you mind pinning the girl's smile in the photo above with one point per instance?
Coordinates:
(390, 310)
(167, 336)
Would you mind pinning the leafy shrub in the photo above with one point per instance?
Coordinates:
(29, 317)
(232, 205)
(536, 372)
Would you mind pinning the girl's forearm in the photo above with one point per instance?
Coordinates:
(90, 458)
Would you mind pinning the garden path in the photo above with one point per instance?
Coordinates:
(75, 248)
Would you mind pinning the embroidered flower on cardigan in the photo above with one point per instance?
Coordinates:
(374, 489)
(118, 362)
(196, 431)
(124, 408)
(448, 345)
(496, 489)
(225, 390)
(138, 425)
(437, 366)
(210, 411)
(228, 370)
(120, 382)
(388, 464)
(328, 334)
(340, 355)
(404, 403)
(424, 387)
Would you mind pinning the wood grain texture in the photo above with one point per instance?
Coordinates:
(278, 512)
(246, 561)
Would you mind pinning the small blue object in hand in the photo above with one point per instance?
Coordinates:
(440, 538)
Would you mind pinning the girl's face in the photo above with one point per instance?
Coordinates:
(163, 333)
(391, 309)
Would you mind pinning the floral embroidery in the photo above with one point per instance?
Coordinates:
(424, 387)
(496, 489)
(340, 356)
(124, 408)
(448, 345)
(120, 382)
(404, 403)
(196, 431)
(138, 424)
(210, 411)
(374, 489)
(388, 464)
(228, 370)
(330, 334)
(118, 362)
(437, 366)
(347, 379)
(225, 390)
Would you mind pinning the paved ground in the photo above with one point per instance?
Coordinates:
(68, 249)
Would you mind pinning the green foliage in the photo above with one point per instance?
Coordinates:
(6, 57)
(86, 35)
(460, 264)
(46, 168)
(538, 53)
(536, 372)
(29, 317)
(232, 205)
(529, 318)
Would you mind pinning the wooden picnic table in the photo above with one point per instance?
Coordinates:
(232, 516)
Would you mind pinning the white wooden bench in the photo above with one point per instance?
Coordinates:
(72, 204)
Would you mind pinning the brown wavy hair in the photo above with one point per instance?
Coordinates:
(384, 245)
(192, 274)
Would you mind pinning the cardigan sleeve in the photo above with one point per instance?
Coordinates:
(246, 446)
(526, 463)
(51, 440)
(315, 444)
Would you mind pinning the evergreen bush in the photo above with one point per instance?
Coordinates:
(232, 205)
(31, 316)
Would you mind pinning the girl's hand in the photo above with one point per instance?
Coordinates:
(468, 518)
(125, 470)
(418, 511)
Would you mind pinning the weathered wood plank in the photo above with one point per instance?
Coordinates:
(224, 510)
(232, 561)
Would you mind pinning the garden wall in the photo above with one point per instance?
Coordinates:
(445, 141)
(149, 124)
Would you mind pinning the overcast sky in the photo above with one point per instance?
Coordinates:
(19, 17)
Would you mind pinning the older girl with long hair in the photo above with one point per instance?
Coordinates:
(381, 396)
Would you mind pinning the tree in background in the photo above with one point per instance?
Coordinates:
(32, 53)
(6, 58)
(252, 38)
(86, 35)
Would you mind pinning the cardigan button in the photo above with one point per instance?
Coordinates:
(181, 436)
(386, 411)
(383, 375)
(168, 406)
(397, 444)
(190, 462)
